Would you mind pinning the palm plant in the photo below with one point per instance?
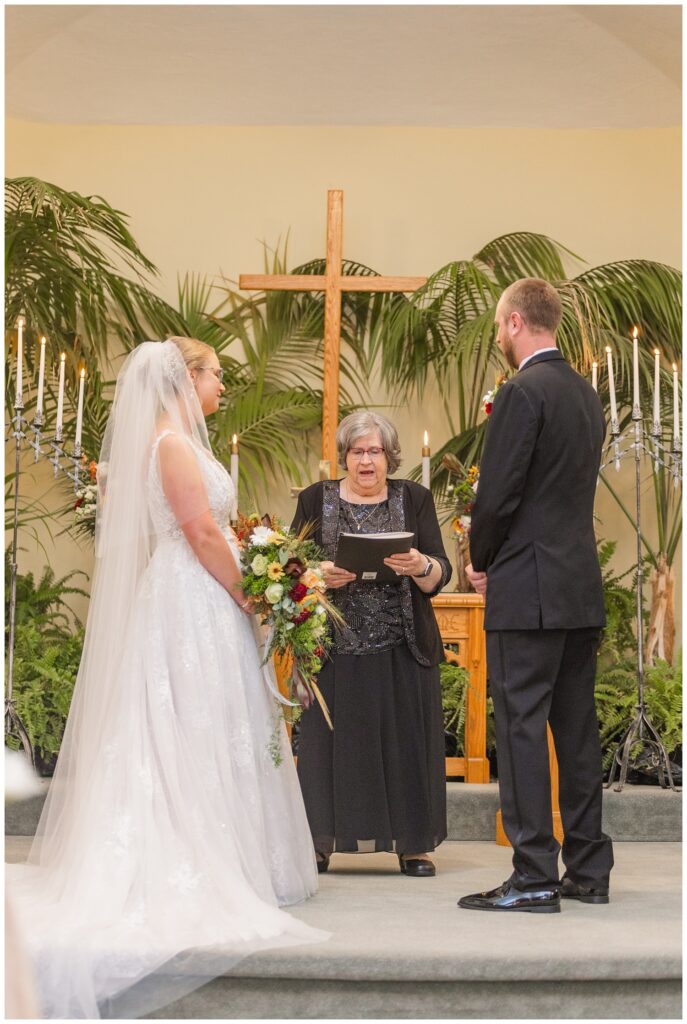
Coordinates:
(445, 331)
(74, 271)
(270, 346)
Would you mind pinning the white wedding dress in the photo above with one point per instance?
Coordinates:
(170, 863)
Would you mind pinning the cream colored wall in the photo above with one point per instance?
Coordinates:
(203, 198)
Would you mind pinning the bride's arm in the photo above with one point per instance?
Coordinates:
(184, 488)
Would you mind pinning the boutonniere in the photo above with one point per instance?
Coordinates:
(488, 399)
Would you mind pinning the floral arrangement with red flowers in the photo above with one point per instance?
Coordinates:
(488, 399)
(281, 575)
(86, 500)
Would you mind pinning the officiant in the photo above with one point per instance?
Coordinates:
(377, 781)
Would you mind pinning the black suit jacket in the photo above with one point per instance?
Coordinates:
(532, 522)
(411, 507)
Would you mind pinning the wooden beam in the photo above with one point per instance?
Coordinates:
(283, 282)
(372, 283)
(332, 328)
(332, 283)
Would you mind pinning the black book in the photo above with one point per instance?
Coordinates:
(364, 554)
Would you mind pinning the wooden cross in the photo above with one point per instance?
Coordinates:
(332, 283)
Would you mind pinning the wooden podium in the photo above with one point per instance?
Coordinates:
(461, 623)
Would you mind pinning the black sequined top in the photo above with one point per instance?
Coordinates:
(372, 611)
(410, 507)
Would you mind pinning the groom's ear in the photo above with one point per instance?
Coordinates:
(516, 320)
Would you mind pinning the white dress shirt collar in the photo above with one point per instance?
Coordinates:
(551, 348)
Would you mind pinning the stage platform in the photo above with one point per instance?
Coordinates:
(401, 948)
(638, 813)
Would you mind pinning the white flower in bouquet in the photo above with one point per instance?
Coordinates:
(259, 565)
(274, 593)
(465, 522)
(261, 536)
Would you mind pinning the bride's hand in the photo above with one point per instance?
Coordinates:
(335, 577)
(246, 604)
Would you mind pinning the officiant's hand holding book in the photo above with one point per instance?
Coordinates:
(369, 557)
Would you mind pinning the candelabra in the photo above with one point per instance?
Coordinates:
(62, 461)
(641, 733)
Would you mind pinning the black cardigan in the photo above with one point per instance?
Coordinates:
(411, 507)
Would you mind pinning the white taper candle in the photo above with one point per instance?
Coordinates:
(656, 424)
(425, 461)
(41, 379)
(79, 411)
(635, 373)
(60, 395)
(611, 391)
(595, 376)
(20, 359)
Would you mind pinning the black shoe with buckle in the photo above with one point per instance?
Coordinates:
(508, 898)
(416, 867)
(585, 894)
(322, 864)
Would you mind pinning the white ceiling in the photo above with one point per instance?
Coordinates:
(462, 66)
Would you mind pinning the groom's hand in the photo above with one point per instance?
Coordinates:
(478, 579)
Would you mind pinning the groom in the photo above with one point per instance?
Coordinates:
(534, 555)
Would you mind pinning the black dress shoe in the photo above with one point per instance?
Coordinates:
(322, 864)
(585, 894)
(416, 867)
(507, 897)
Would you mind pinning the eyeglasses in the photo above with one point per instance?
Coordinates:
(219, 373)
(358, 453)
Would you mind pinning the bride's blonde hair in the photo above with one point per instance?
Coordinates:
(193, 351)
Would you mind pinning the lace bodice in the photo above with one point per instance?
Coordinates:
(220, 489)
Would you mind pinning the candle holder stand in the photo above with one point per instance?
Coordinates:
(54, 451)
(641, 736)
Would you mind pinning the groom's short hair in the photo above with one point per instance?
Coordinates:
(537, 302)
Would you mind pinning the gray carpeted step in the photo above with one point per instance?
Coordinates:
(400, 948)
(637, 814)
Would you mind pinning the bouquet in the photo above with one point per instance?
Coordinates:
(281, 574)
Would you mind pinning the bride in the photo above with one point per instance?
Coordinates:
(169, 838)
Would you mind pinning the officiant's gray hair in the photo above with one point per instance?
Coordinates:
(360, 423)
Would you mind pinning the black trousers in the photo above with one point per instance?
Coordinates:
(537, 676)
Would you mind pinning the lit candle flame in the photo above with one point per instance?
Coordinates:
(635, 332)
(657, 352)
(63, 357)
(608, 348)
(42, 341)
(83, 372)
(426, 439)
(674, 367)
(234, 439)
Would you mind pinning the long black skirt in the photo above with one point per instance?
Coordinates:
(377, 782)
